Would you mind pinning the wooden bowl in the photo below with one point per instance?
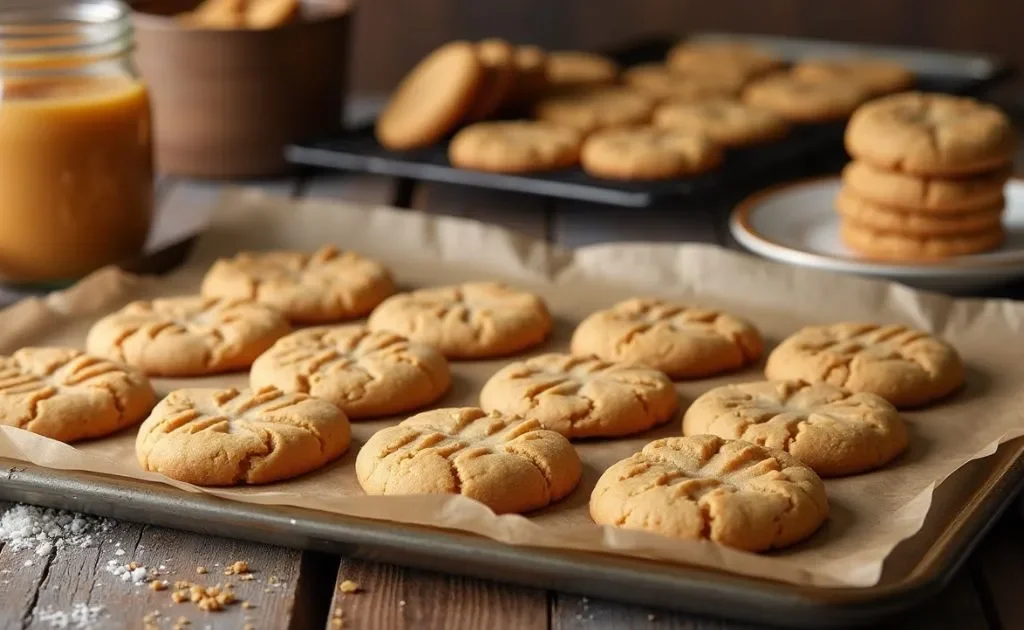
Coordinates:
(226, 103)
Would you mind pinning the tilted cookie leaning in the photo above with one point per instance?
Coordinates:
(509, 463)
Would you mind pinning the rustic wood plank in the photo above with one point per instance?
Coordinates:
(998, 567)
(959, 606)
(527, 214)
(571, 612)
(395, 598)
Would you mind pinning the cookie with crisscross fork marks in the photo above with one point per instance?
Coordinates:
(320, 288)
(508, 463)
(832, 430)
(467, 321)
(366, 373)
(187, 336)
(229, 437)
(582, 396)
(681, 341)
(907, 367)
(705, 488)
(67, 395)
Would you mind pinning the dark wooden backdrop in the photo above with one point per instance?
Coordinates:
(391, 35)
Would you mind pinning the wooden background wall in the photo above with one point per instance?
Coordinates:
(391, 35)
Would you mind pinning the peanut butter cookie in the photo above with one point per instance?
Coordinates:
(705, 488)
(519, 146)
(909, 223)
(587, 110)
(467, 321)
(67, 395)
(834, 431)
(726, 123)
(926, 194)
(187, 336)
(648, 153)
(681, 341)
(582, 396)
(877, 76)
(531, 64)
(498, 59)
(508, 463)
(664, 84)
(803, 100)
(324, 287)
(907, 367)
(365, 373)
(931, 134)
(723, 58)
(571, 69)
(227, 437)
(900, 247)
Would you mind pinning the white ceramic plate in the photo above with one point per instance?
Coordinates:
(797, 224)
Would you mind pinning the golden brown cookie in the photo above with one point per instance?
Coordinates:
(898, 247)
(930, 194)
(365, 373)
(805, 101)
(705, 488)
(588, 110)
(582, 396)
(907, 367)
(518, 146)
(67, 395)
(647, 153)
(834, 431)
(931, 134)
(467, 321)
(228, 437)
(571, 69)
(432, 99)
(498, 59)
(723, 58)
(508, 463)
(323, 287)
(187, 336)
(681, 341)
(909, 223)
(531, 64)
(877, 76)
(664, 84)
(726, 123)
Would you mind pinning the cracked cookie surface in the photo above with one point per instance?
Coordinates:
(582, 396)
(363, 372)
(467, 321)
(230, 437)
(517, 146)
(187, 336)
(681, 341)
(320, 288)
(648, 153)
(67, 395)
(510, 464)
(705, 488)
(907, 367)
(832, 430)
(589, 109)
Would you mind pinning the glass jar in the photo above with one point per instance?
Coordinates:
(76, 157)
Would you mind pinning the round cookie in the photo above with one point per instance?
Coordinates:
(723, 58)
(365, 373)
(582, 396)
(661, 83)
(320, 288)
(834, 431)
(916, 248)
(648, 153)
(531, 64)
(724, 122)
(468, 321)
(67, 395)
(519, 146)
(508, 463)
(909, 223)
(228, 437)
(498, 60)
(804, 101)
(571, 69)
(187, 336)
(877, 76)
(933, 195)
(931, 134)
(588, 110)
(681, 341)
(907, 367)
(705, 488)
(432, 99)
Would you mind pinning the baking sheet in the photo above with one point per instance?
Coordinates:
(871, 513)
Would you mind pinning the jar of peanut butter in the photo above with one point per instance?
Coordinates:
(76, 165)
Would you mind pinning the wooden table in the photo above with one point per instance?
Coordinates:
(294, 589)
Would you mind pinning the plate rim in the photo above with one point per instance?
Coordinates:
(751, 239)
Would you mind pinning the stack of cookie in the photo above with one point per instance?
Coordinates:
(927, 177)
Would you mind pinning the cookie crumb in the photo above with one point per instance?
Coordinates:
(201, 570)
(349, 586)
(247, 605)
(651, 617)
(247, 577)
(158, 585)
(337, 622)
(179, 596)
(210, 604)
(401, 603)
(238, 567)
(248, 626)
(225, 598)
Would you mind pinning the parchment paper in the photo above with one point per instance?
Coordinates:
(871, 513)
